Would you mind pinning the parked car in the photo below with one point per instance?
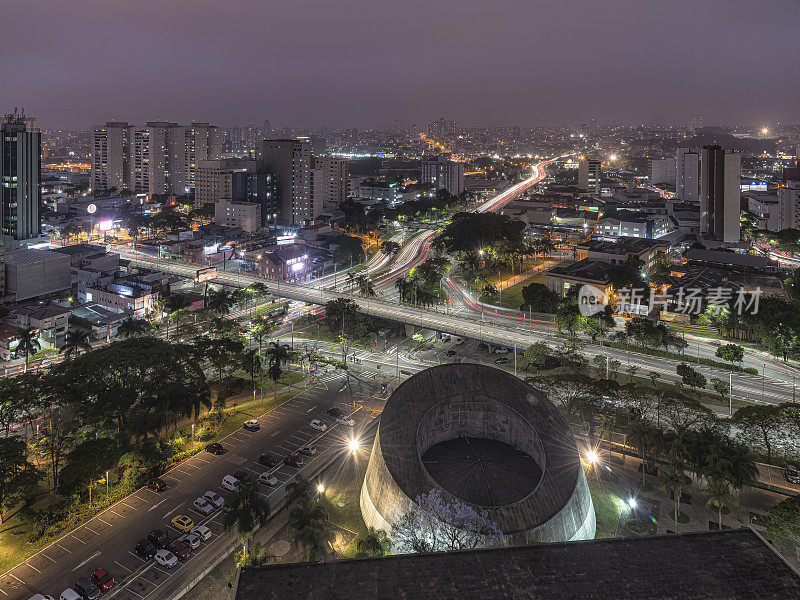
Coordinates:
(146, 549)
(451, 353)
(501, 361)
(201, 531)
(230, 483)
(405, 372)
(346, 421)
(501, 350)
(267, 460)
(69, 594)
(293, 460)
(165, 558)
(180, 549)
(191, 539)
(252, 425)
(203, 506)
(483, 346)
(268, 479)
(791, 473)
(159, 538)
(41, 597)
(102, 579)
(318, 425)
(308, 450)
(215, 448)
(214, 498)
(244, 477)
(156, 484)
(335, 412)
(86, 589)
(460, 340)
(182, 523)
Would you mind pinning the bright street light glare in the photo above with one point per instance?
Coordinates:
(321, 488)
(591, 456)
(353, 445)
(632, 502)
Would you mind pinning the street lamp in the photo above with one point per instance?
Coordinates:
(321, 488)
(632, 503)
(592, 457)
(106, 486)
(353, 445)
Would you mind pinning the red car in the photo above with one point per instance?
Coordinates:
(102, 579)
(156, 484)
(180, 549)
(293, 460)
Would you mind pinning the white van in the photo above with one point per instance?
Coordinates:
(70, 594)
(230, 483)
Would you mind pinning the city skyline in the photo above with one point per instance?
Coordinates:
(358, 65)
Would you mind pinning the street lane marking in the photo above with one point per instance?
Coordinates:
(312, 408)
(156, 505)
(124, 567)
(92, 557)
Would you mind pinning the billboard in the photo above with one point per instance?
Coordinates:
(206, 274)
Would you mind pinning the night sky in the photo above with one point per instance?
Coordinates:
(344, 63)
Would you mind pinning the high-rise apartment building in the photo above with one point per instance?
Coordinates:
(329, 183)
(442, 129)
(289, 161)
(157, 158)
(687, 175)
(662, 171)
(443, 174)
(589, 175)
(789, 199)
(720, 193)
(20, 178)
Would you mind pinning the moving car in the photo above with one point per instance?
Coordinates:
(308, 450)
(156, 484)
(318, 425)
(215, 448)
(293, 460)
(203, 506)
(268, 479)
(229, 482)
(180, 549)
(335, 412)
(252, 425)
(158, 538)
(791, 473)
(103, 579)
(346, 421)
(86, 589)
(214, 498)
(267, 460)
(182, 523)
(191, 539)
(165, 558)
(146, 549)
(201, 531)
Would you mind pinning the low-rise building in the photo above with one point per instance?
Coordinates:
(378, 190)
(286, 263)
(766, 207)
(36, 273)
(51, 320)
(618, 252)
(122, 296)
(239, 215)
(650, 227)
(592, 272)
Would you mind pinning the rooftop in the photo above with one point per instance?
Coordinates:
(623, 245)
(593, 270)
(28, 257)
(731, 564)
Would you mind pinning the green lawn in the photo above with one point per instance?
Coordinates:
(607, 507)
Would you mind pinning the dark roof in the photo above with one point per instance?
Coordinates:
(732, 565)
(591, 270)
(623, 245)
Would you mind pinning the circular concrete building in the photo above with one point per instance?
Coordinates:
(479, 434)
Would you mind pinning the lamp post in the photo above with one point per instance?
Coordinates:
(106, 486)
(730, 393)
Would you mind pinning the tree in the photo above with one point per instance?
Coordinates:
(349, 250)
(673, 481)
(647, 439)
(720, 386)
(374, 542)
(75, 342)
(221, 301)
(691, 377)
(595, 326)
(784, 521)
(537, 353)
(133, 327)
(390, 248)
(61, 427)
(17, 473)
(719, 493)
(539, 298)
(311, 528)
(258, 331)
(730, 352)
(301, 489)
(436, 524)
(760, 423)
(251, 362)
(365, 286)
(256, 556)
(246, 508)
(28, 342)
(10, 403)
(223, 354)
(402, 285)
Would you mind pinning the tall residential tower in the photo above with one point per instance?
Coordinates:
(20, 178)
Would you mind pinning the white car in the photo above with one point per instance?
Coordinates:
(202, 532)
(165, 558)
(267, 479)
(501, 350)
(252, 425)
(346, 421)
(191, 540)
(214, 498)
(70, 594)
(318, 425)
(202, 505)
(230, 483)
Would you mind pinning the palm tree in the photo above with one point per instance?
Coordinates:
(258, 330)
(374, 542)
(489, 289)
(247, 508)
(719, 493)
(301, 489)
(28, 343)
(274, 372)
(221, 301)
(673, 480)
(365, 286)
(133, 327)
(251, 362)
(75, 342)
(278, 353)
(402, 286)
(312, 531)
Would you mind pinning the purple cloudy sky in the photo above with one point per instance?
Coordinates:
(364, 63)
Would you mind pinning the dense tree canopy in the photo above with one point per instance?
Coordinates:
(475, 231)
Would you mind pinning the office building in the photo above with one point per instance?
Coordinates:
(720, 194)
(289, 162)
(687, 175)
(589, 175)
(329, 183)
(765, 206)
(789, 199)
(443, 174)
(239, 215)
(662, 171)
(20, 177)
(157, 158)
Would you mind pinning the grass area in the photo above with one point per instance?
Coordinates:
(687, 358)
(607, 507)
(636, 526)
(512, 297)
(341, 498)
